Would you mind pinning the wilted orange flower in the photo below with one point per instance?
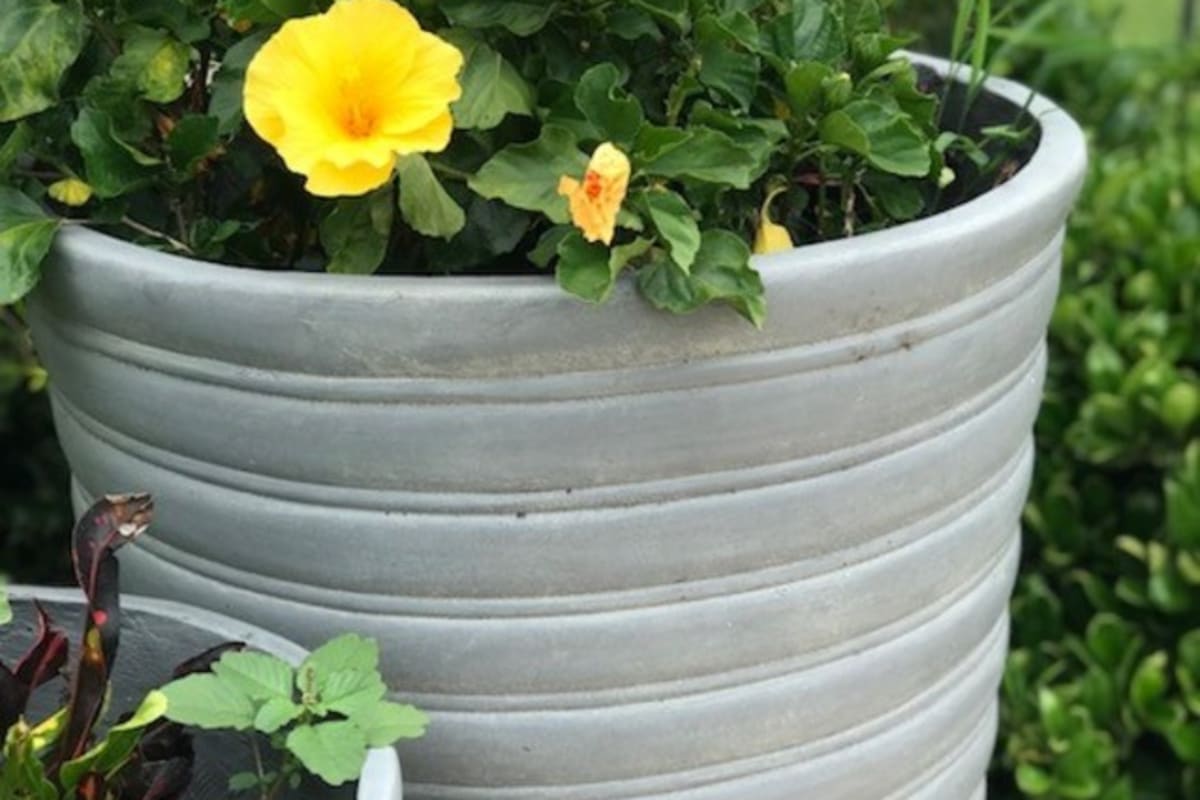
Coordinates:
(771, 237)
(596, 201)
(341, 94)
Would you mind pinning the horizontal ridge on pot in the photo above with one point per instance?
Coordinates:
(616, 554)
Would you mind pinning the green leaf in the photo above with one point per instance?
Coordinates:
(112, 166)
(206, 701)
(424, 203)
(1033, 781)
(39, 40)
(546, 248)
(676, 224)
(526, 175)
(118, 745)
(675, 12)
(615, 115)
(155, 62)
(225, 97)
(349, 690)
(333, 751)
(181, 19)
(491, 87)
(522, 17)
(193, 138)
(6, 612)
(724, 66)
(583, 269)
(259, 676)
(699, 153)
(385, 723)
(16, 143)
(805, 86)
(355, 233)
(817, 32)
(26, 234)
(1149, 693)
(347, 652)
(887, 138)
(275, 713)
(589, 271)
(721, 271)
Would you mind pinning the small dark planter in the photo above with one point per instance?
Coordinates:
(157, 635)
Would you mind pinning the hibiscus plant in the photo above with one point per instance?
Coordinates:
(320, 718)
(668, 139)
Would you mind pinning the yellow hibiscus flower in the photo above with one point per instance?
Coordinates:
(596, 201)
(340, 95)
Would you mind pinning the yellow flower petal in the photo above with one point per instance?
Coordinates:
(326, 179)
(771, 237)
(340, 94)
(596, 201)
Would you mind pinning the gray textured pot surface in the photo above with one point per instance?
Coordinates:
(617, 554)
(157, 635)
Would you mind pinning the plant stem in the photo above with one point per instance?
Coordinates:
(146, 230)
(449, 171)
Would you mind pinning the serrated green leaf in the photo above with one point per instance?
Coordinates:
(425, 205)
(39, 40)
(348, 652)
(275, 713)
(206, 701)
(259, 676)
(526, 176)
(26, 234)
(355, 232)
(333, 751)
(491, 87)
(384, 723)
(348, 690)
(676, 224)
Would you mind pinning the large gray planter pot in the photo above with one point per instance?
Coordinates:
(617, 554)
(156, 635)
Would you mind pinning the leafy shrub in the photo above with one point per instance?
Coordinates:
(729, 116)
(1100, 697)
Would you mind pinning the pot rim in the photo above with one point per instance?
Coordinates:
(380, 778)
(1059, 157)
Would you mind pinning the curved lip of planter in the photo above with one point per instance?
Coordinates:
(1058, 159)
(380, 779)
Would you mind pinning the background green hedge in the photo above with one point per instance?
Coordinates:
(1101, 698)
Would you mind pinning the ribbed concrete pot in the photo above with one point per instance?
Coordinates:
(618, 554)
(156, 635)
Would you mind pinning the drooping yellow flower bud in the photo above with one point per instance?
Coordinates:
(771, 237)
(70, 191)
(596, 201)
(341, 94)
